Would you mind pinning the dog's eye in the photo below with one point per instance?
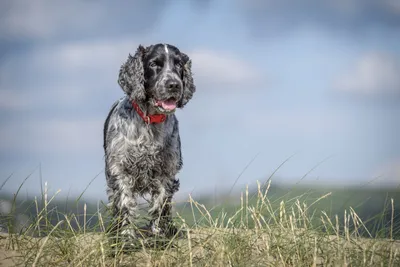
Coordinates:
(153, 64)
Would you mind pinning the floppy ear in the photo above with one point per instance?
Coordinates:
(131, 76)
(188, 84)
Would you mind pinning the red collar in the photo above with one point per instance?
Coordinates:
(156, 118)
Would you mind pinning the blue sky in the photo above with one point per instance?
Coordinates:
(274, 79)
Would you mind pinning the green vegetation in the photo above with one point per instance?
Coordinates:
(264, 226)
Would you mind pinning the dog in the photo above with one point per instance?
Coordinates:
(141, 136)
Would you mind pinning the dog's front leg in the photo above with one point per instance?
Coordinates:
(160, 209)
(158, 204)
(123, 204)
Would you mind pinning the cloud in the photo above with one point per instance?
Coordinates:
(372, 74)
(63, 76)
(215, 68)
(351, 16)
(45, 20)
(74, 55)
(51, 136)
(31, 99)
(101, 54)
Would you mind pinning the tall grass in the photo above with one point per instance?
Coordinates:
(257, 232)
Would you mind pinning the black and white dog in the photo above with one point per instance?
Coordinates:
(141, 136)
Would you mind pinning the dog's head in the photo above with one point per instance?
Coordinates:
(159, 76)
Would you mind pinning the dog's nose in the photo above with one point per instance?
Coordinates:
(172, 85)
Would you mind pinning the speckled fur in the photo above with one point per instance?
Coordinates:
(143, 158)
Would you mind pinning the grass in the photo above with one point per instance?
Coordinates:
(262, 230)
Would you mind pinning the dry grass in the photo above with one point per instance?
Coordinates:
(256, 235)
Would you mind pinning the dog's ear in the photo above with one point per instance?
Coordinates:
(131, 76)
(188, 83)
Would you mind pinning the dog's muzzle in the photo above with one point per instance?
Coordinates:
(172, 92)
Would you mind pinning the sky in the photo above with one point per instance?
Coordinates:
(316, 82)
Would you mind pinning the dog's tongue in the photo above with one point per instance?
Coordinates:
(167, 104)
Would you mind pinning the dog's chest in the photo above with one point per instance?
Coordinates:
(150, 156)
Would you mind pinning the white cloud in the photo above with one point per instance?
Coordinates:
(43, 18)
(83, 57)
(67, 74)
(94, 55)
(372, 74)
(220, 68)
(68, 135)
(52, 135)
(48, 20)
(48, 96)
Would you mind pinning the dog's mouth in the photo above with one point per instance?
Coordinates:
(167, 105)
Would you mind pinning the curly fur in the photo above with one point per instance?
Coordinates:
(144, 158)
(131, 76)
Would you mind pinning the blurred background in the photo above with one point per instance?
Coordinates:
(317, 82)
